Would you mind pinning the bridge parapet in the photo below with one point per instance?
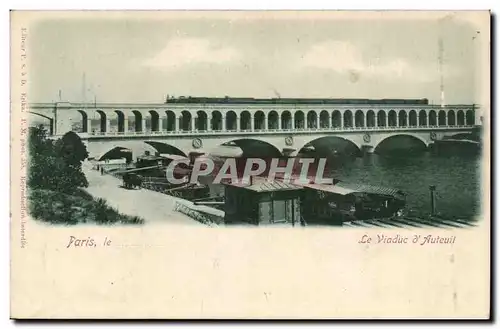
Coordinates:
(288, 142)
(133, 119)
(99, 134)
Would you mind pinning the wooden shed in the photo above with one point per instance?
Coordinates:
(263, 202)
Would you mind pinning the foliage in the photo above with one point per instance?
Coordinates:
(55, 178)
(71, 148)
(61, 208)
(56, 165)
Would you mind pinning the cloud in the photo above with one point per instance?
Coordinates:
(345, 58)
(186, 51)
(335, 55)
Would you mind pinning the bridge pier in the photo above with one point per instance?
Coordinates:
(367, 149)
(87, 129)
(108, 125)
(160, 124)
(289, 152)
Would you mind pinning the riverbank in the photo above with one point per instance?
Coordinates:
(152, 206)
(77, 207)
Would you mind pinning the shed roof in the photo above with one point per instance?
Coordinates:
(330, 188)
(261, 184)
(149, 157)
(344, 188)
(172, 156)
(374, 189)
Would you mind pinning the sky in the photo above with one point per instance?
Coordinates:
(143, 61)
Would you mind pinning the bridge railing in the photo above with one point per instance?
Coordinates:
(208, 219)
(274, 131)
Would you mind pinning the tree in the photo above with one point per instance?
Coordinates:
(55, 166)
(71, 148)
(38, 143)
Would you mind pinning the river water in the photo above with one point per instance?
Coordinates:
(457, 179)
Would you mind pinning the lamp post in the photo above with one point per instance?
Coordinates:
(432, 189)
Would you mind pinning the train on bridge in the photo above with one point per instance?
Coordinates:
(330, 101)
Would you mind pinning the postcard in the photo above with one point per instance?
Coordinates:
(250, 165)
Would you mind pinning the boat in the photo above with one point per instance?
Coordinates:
(467, 143)
(344, 201)
(451, 146)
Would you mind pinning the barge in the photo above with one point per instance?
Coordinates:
(340, 202)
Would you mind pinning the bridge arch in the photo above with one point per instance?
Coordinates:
(312, 119)
(460, 118)
(103, 120)
(47, 117)
(432, 118)
(370, 118)
(245, 120)
(469, 117)
(154, 123)
(115, 153)
(186, 120)
(273, 120)
(145, 119)
(381, 118)
(359, 119)
(422, 118)
(165, 148)
(423, 144)
(170, 120)
(298, 117)
(231, 120)
(393, 118)
(259, 120)
(201, 121)
(216, 122)
(251, 147)
(464, 135)
(412, 119)
(138, 124)
(51, 121)
(336, 119)
(327, 145)
(135, 149)
(442, 118)
(324, 119)
(286, 120)
(451, 118)
(402, 118)
(348, 121)
(120, 120)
